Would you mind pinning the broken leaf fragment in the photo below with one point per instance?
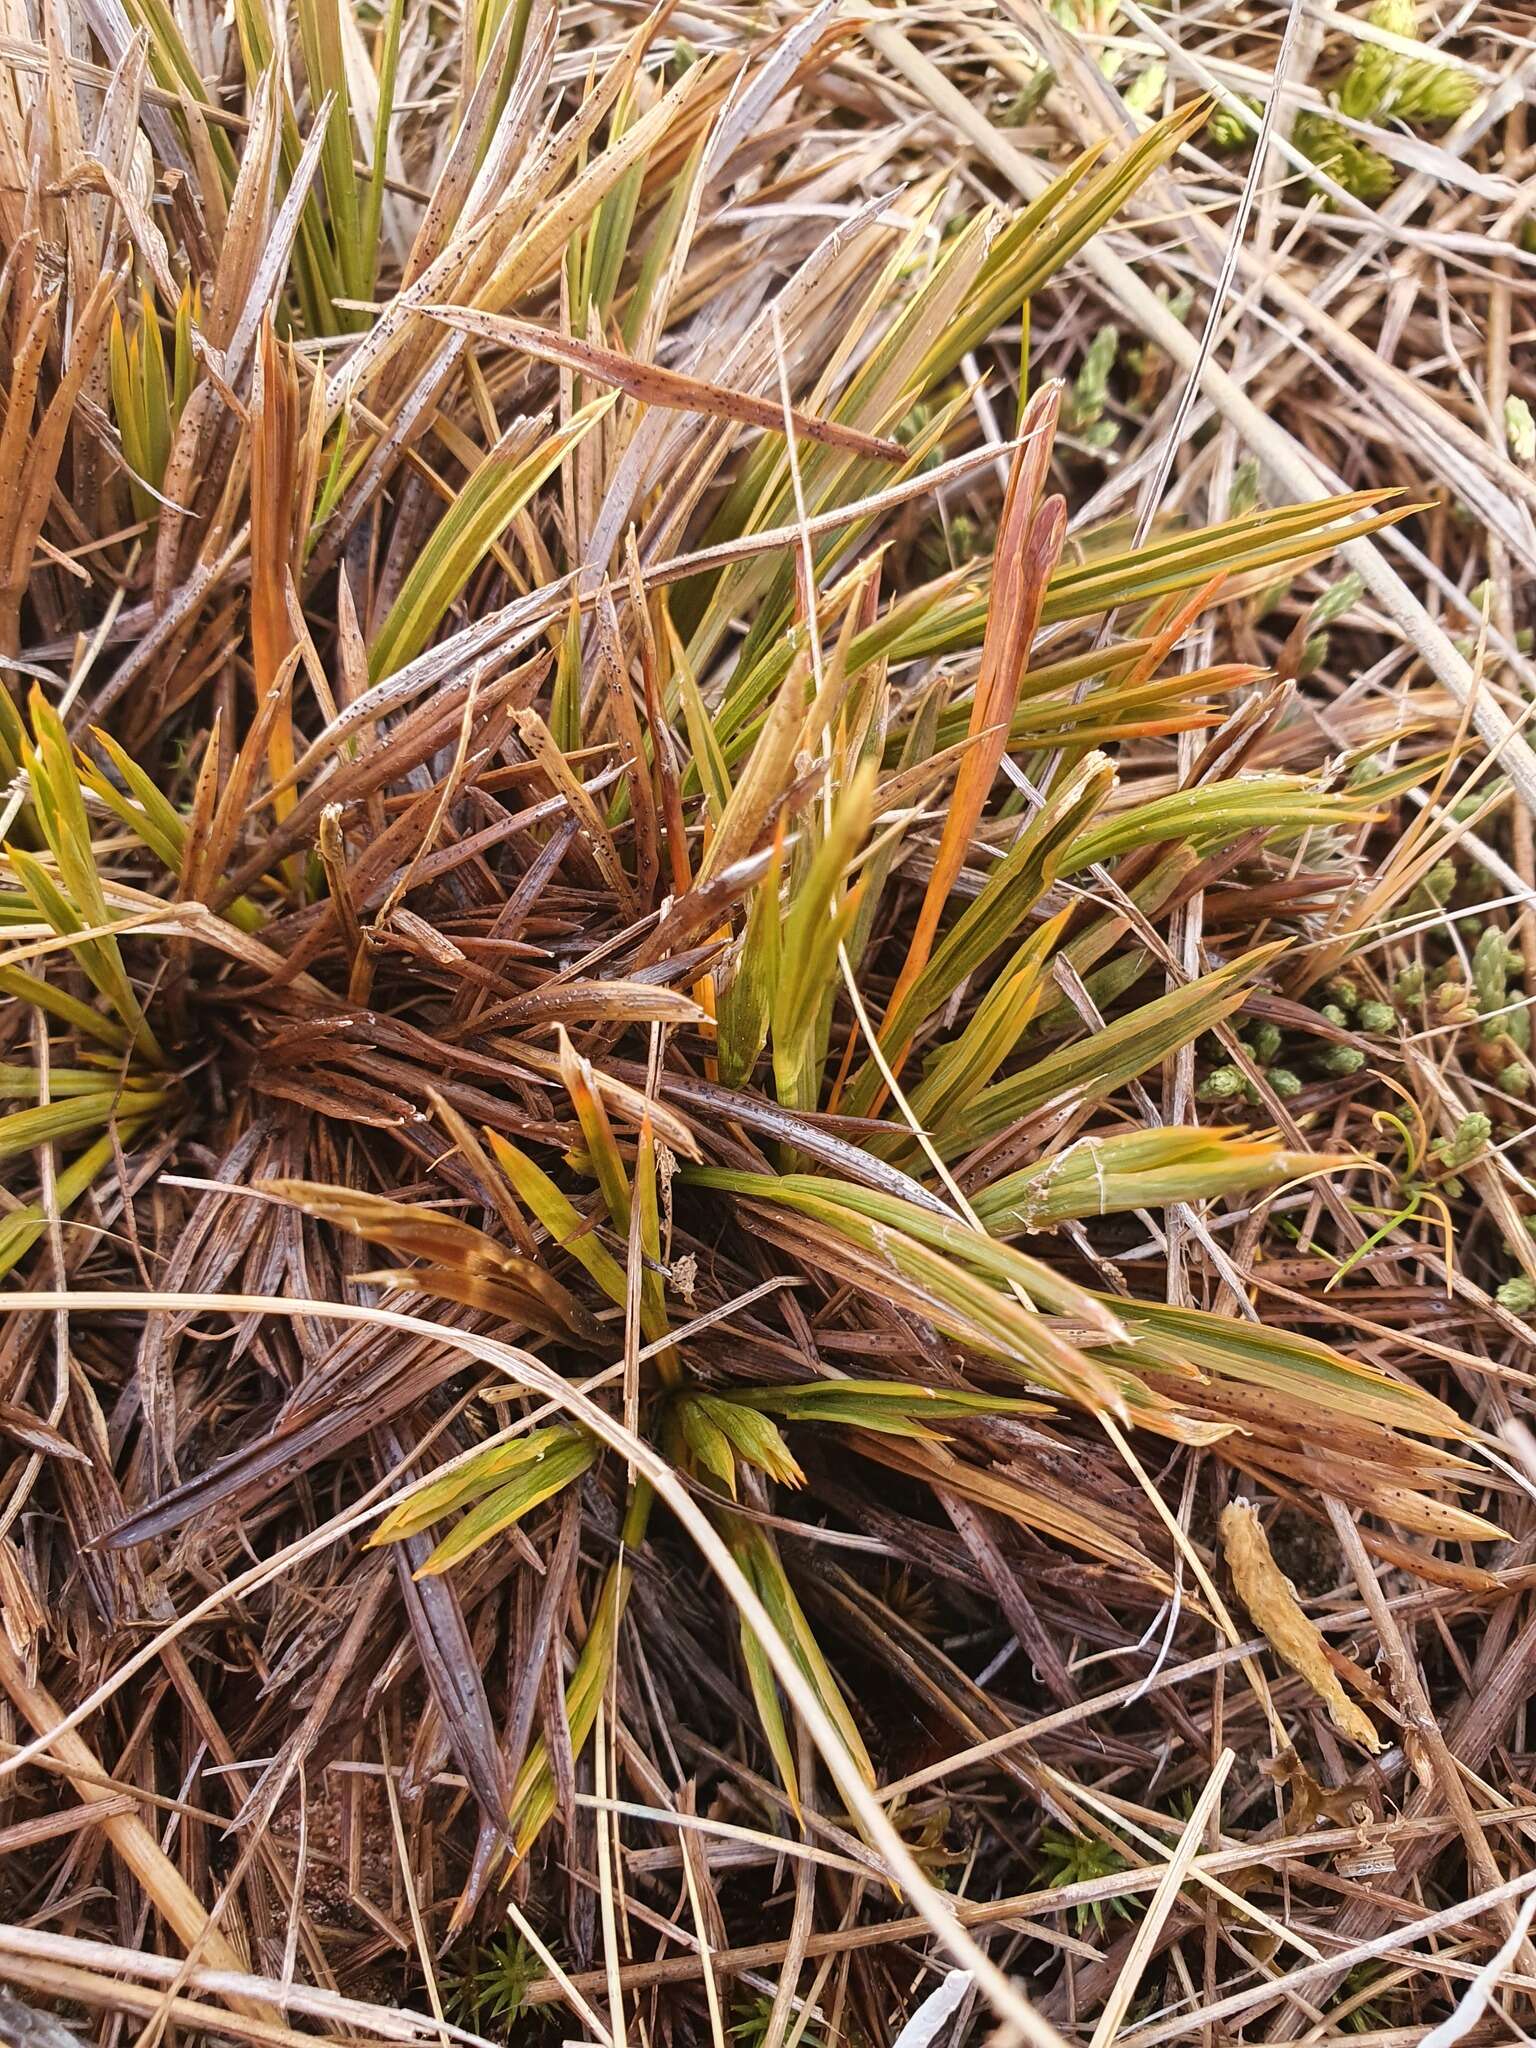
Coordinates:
(1271, 1599)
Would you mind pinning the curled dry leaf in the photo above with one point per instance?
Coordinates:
(1271, 1599)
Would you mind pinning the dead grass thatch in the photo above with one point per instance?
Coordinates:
(767, 894)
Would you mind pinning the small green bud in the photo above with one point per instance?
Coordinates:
(1144, 94)
(1332, 1014)
(1472, 1134)
(1518, 1295)
(1383, 84)
(1336, 600)
(1284, 1082)
(1409, 985)
(1491, 965)
(1520, 429)
(1090, 390)
(683, 58)
(1515, 1079)
(1342, 990)
(1180, 303)
(1496, 1027)
(1396, 17)
(1363, 172)
(1341, 1060)
(1490, 968)
(1427, 92)
(1314, 655)
(1228, 130)
(1266, 1042)
(1377, 1017)
(1368, 81)
(1221, 1084)
(1028, 99)
(1436, 889)
(1451, 1002)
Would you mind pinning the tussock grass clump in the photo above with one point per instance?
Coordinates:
(703, 1044)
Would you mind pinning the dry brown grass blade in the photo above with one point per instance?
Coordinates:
(274, 516)
(523, 1369)
(652, 384)
(1030, 536)
(163, 1883)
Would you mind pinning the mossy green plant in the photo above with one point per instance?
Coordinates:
(1380, 85)
(1383, 84)
(1072, 1859)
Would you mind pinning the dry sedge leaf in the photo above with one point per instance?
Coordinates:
(1271, 1599)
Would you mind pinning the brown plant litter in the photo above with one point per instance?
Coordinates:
(767, 915)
